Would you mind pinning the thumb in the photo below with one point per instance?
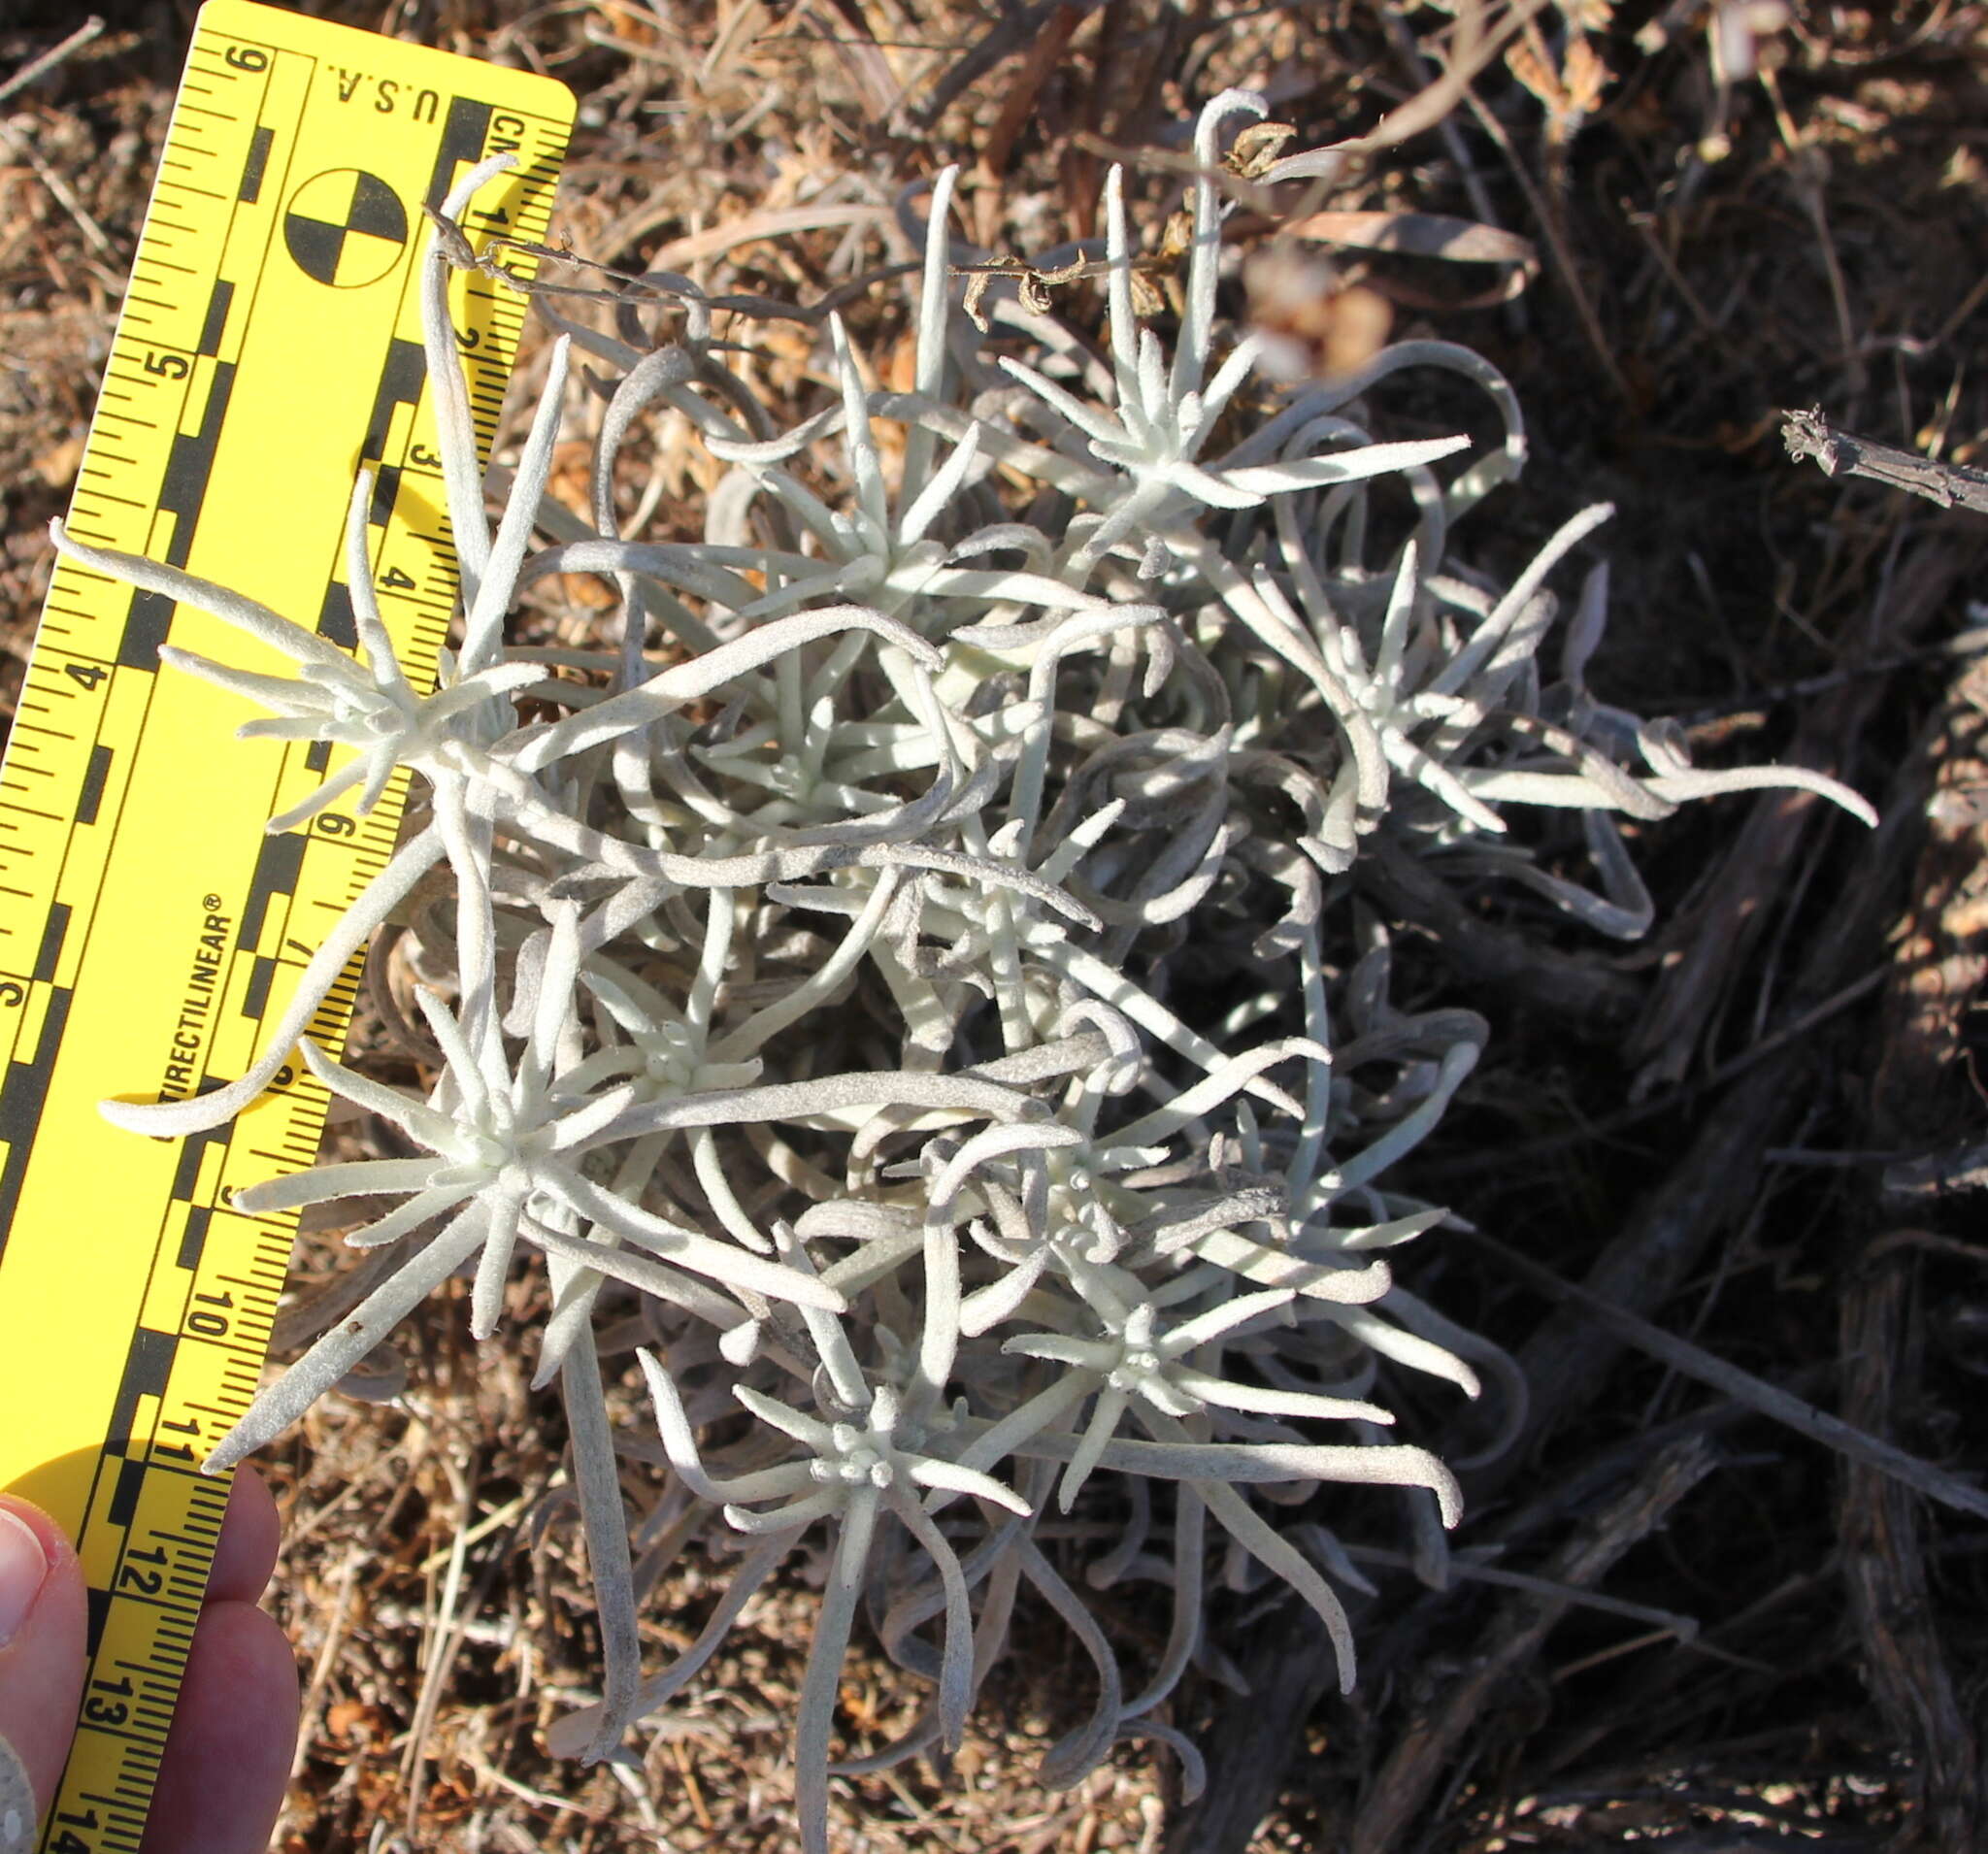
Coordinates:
(41, 1664)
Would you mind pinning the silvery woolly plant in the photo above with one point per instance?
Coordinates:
(906, 987)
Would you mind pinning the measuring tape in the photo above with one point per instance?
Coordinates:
(270, 346)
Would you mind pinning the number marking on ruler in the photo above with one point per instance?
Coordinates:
(270, 346)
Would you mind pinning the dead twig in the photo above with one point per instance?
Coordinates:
(1014, 31)
(1249, 1747)
(1550, 225)
(1936, 1174)
(623, 284)
(1769, 1399)
(1426, 1754)
(1581, 993)
(1841, 453)
(1568, 1357)
(1883, 1554)
(1505, 1160)
(89, 29)
(59, 191)
(1766, 858)
(1919, 1097)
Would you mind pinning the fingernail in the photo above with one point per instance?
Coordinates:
(22, 1566)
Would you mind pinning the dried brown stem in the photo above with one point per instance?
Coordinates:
(1841, 453)
(1769, 1399)
(1425, 1755)
(1883, 1555)
(1592, 999)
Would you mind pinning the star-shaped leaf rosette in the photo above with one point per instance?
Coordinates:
(904, 973)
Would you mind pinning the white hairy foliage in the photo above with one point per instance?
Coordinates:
(908, 987)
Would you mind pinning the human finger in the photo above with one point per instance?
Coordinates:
(244, 1554)
(41, 1664)
(233, 1734)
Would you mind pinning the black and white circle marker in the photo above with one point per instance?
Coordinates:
(345, 227)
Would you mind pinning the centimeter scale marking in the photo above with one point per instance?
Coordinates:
(270, 346)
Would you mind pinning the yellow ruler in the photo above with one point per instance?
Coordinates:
(270, 346)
